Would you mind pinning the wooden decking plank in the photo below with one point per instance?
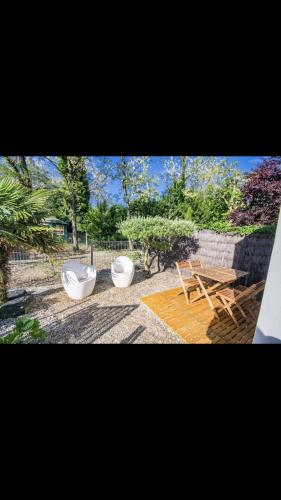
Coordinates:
(196, 323)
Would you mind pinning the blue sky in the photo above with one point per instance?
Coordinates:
(244, 163)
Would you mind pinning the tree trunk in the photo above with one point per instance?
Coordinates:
(74, 224)
(146, 257)
(4, 274)
(131, 246)
(183, 170)
(20, 168)
(125, 193)
(26, 179)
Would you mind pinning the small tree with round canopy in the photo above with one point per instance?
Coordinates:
(156, 234)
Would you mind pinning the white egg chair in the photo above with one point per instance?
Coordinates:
(78, 280)
(122, 272)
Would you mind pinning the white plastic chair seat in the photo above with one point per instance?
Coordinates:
(122, 272)
(78, 280)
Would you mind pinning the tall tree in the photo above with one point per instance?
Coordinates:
(30, 171)
(133, 173)
(176, 170)
(100, 172)
(17, 167)
(210, 171)
(183, 175)
(75, 188)
(72, 194)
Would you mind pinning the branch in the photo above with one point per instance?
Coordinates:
(49, 159)
(13, 164)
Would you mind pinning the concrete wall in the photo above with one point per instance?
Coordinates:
(269, 322)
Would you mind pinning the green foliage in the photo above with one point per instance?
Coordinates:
(209, 171)
(156, 234)
(21, 214)
(208, 207)
(135, 179)
(58, 203)
(226, 227)
(134, 255)
(188, 213)
(145, 206)
(174, 202)
(24, 330)
(146, 229)
(101, 222)
(17, 168)
(215, 204)
(75, 183)
(30, 171)
(74, 192)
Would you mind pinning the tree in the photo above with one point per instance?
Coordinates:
(30, 171)
(21, 213)
(192, 181)
(17, 167)
(176, 170)
(206, 171)
(174, 202)
(135, 179)
(100, 171)
(261, 195)
(74, 190)
(133, 173)
(101, 222)
(216, 202)
(156, 234)
(146, 206)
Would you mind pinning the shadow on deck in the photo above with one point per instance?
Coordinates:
(196, 323)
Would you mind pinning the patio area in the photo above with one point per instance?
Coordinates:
(108, 316)
(196, 323)
(151, 311)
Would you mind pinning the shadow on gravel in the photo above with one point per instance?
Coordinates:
(88, 324)
(133, 336)
(104, 280)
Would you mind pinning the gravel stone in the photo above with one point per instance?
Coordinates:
(109, 316)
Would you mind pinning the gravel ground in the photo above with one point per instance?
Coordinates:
(109, 315)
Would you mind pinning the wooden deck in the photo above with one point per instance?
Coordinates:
(196, 323)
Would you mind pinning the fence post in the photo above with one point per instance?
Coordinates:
(92, 254)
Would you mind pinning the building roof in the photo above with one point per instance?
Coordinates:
(54, 220)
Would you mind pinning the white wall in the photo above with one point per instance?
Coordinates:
(269, 323)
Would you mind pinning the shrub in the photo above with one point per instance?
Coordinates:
(226, 227)
(261, 195)
(25, 329)
(156, 234)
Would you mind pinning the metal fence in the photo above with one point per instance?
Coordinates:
(24, 257)
(103, 253)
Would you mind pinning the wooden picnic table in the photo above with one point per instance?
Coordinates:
(222, 276)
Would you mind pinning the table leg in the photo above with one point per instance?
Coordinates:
(205, 291)
(212, 289)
